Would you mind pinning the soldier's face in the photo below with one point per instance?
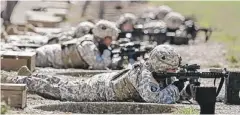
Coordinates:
(107, 41)
(127, 27)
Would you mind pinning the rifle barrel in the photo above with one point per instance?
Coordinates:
(184, 75)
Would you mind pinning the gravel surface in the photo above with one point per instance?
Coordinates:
(204, 54)
(34, 100)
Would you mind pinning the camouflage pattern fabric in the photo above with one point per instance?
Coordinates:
(127, 17)
(136, 84)
(147, 15)
(155, 26)
(174, 20)
(105, 28)
(65, 35)
(83, 28)
(80, 52)
(162, 11)
(8, 47)
(76, 53)
(49, 56)
(164, 57)
(27, 39)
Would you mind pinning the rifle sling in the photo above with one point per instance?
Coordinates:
(119, 74)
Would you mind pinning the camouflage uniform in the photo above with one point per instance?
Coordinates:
(147, 15)
(7, 47)
(174, 20)
(83, 28)
(162, 11)
(27, 39)
(154, 26)
(156, 29)
(126, 24)
(136, 84)
(66, 34)
(80, 52)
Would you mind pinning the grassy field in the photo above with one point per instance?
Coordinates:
(189, 110)
(222, 15)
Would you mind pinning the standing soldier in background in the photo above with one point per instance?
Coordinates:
(87, 52)
(7, 12)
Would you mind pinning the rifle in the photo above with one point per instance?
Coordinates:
(129, 51)
(135, 35)
(190, 73)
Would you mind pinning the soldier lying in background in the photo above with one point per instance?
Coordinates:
(136, 84)
(181, 29)
(126, 24)
(81, 52)
(161, 12)
(49, 35)
(83, 28)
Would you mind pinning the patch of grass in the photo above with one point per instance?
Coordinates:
(189, 110)
(227, 38)
(232, 59)
(4, 108)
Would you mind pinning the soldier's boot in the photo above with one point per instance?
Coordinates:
(24, 71)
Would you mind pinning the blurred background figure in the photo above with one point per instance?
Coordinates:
(7, 12)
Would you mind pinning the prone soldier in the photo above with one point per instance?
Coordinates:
(136, 84)
(83, 28)
(126, 23)
(81, 52)
(156, 31)
(43, 38)
(181, 29)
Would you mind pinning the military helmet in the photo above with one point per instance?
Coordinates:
(162, 11)
(83, 28)
(163, 57)
(127, 17)
(104, 28)
(174, 20)
(148, 13)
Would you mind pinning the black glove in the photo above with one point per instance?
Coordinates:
(179, 84)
